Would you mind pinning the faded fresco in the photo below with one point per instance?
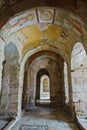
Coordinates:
(45, 17)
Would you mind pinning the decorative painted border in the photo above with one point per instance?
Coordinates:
(44, 15)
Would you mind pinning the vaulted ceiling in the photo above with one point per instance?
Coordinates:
(43, 28)
(10, 7)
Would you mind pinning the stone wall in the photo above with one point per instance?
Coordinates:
(79, 79)
(10, 81)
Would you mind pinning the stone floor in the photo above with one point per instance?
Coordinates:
(44, 119)
(3, 123)
(83, 122)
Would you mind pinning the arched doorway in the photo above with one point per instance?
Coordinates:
(42, 68)
(79, 79)
(42, 87)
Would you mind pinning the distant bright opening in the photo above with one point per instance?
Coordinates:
(44, 87)
(66, 84)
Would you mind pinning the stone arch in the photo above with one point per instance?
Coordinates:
(39, 83)
(29, 54)
(78, 76)
(78, 49)
(47, 48)
(46, 56)
(10, 81)
(36, 71)
(81, 44)
(62, 19)
(72, 27)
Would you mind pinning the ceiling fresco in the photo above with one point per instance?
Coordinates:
(44, 25)
(8, 8)
(43, 17)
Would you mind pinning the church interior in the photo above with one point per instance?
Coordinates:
(43, 65)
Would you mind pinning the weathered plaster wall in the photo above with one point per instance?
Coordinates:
(10, 80)
(79, 79)
(45, 25)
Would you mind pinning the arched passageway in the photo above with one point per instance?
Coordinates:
(43, 39)
(42, 87)
(43, 67)
(79, 79)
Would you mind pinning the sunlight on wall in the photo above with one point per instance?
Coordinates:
(66, 83)
(79, 79)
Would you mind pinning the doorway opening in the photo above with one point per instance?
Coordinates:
(43, 81)
(42, 87)
(79, 79)
(66, 84)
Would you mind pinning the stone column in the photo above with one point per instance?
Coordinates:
(1, 74)
(71, 104)
(63, 86)
(5, 88)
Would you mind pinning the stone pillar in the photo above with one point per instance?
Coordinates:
(13, 89)
(20, 91)
(10, 80)
(71, 104)
(1, 70)
(24, 94)
(5, 88)
(63, 87)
